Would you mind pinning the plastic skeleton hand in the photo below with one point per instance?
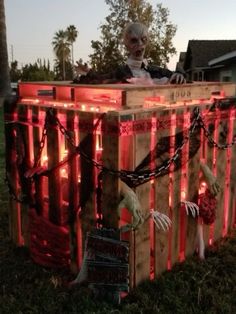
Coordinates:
(191, 208)
(177, 78)
(131, 202)
(161, 220)
(211, 181)
(81, 69)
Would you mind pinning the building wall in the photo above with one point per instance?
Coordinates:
(228, 74)
(224, 74)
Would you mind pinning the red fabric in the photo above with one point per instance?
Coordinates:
(49, 243)
(207, 207)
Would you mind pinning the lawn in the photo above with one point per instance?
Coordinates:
(192, 287)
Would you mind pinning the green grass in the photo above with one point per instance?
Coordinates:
(192, 287)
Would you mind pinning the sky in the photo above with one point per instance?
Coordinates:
(31, 24)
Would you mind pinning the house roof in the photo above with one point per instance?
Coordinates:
(225, 57)
(200, 52)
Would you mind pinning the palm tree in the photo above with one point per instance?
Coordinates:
(72, 34)
(5, 86)
(61, 47)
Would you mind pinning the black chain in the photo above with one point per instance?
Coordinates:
(211, 140)
(12, 192)
(136, 177)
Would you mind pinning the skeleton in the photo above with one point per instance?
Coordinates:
(136, 38)
(136, 70)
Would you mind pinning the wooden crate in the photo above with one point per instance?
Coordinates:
(117, 96)
(71, 199)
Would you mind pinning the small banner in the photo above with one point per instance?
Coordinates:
(107, 263)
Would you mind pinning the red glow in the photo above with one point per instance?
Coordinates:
(184, 196)
(171, 187)
(20, 239)
(151, 204)
(79, 241)
(228, 173)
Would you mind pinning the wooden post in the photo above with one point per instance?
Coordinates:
(208, 158)
(221, 160)
(126, 147)
(193, 169)
(162, 185)
(72, 189)
(111, 160)
(87, 136)
(142, 235)
(232, 179)
(37, 135)
(26, 150)
(15, 228)
(54, 179)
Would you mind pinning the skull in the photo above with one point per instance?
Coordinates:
(135, 40)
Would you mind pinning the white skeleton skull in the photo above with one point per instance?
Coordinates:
(135, 40)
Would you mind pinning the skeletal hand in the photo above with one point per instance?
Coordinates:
(211, 180)
(177, 78)
(81, 69)
(191, 208)
(131, 202)
(161, 220)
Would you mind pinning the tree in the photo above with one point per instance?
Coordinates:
(5, 86)
(109, 50)
(15, 73)
(72, 34)
(61, 47)
(37, 71)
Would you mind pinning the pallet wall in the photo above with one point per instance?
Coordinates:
(72, 198)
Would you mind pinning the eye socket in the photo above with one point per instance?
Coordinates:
(144, 39)
(134, 40)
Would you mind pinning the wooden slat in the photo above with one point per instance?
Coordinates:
(142, 235)
(221, 160)
(227, 211)
(54, 179)
(15, 230)
(175, 93)
(127, 162)
(26, 146)
(162, 202)
(232, 182)
(72, 188)
(37, 135)
(87, 173)
(111, 160)
(192, 189)
(208, 158)
(176, 192)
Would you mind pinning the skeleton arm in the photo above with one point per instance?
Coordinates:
(131, 202)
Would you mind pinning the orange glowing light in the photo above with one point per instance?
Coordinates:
(183, 195)
(45, 159)
(64, 173)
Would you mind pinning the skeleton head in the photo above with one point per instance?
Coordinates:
(135, 40)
